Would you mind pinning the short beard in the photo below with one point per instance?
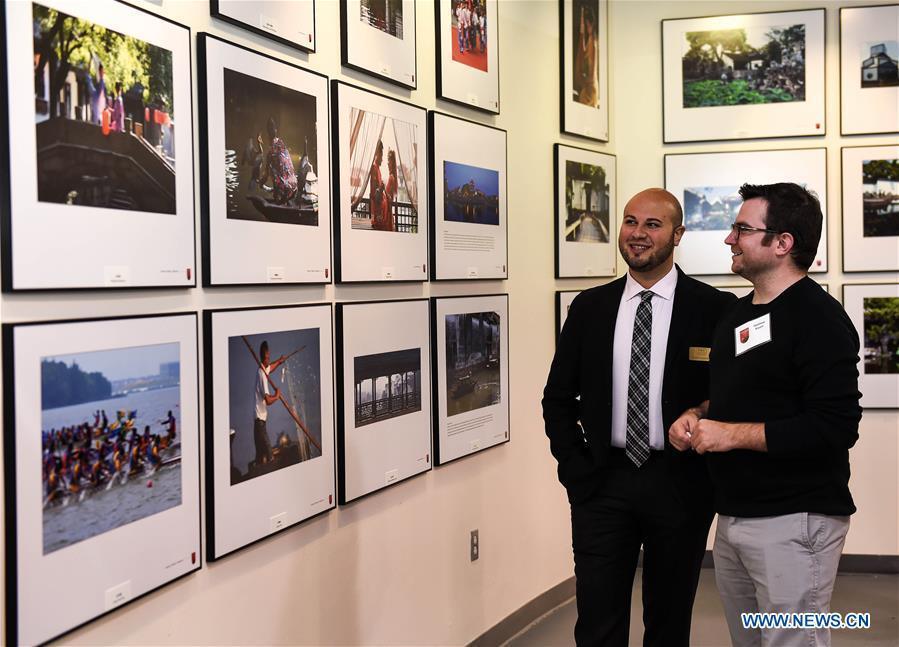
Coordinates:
(655, 259)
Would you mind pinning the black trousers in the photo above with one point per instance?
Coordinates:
(633, 507)
(260, 439)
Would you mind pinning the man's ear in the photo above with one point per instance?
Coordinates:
(785, 244)
(678, 234)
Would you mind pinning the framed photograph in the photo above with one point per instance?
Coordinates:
(471, 374)
(102, 468)
(469, 199)
(269, 422)
(563, 303)
(870, 208)
(468, 53)
(874, 309)
(266, 168)
(869, 70)
(708, 184)
(290, 23)
(100, 190)
(743, 76)
(378, 38)
(585, 213)
(584, 59)
(383, 359)
(380, 187)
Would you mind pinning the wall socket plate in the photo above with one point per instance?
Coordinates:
(475, 546)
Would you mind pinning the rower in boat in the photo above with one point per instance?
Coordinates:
(171, 426)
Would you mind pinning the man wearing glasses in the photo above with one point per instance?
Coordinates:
(783, 412)
(632, 357)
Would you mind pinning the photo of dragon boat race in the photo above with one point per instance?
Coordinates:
(472, 361)
(470, 194)
(110, 440)
(274, 388)
(271, 152)
(104, 116)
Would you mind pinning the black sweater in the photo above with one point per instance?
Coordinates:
(803, 385)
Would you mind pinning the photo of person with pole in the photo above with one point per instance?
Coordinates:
(280, 425)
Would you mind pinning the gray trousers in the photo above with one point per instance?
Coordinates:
(782, 564)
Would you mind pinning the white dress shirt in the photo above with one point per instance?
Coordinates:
(662, 303)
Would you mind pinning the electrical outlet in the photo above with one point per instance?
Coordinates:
(475, 546)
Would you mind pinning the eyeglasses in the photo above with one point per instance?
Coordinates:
(738, 229)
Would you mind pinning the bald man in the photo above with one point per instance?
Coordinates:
(632, 357)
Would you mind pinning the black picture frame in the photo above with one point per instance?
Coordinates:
(852, 120)
(576, 259)
(868, 241)
(361, 253)
(237, 251)
(283, 496)
(732, 122)
(466, 264)
(149, 560)
(111, 215)
(448, 85)
(394, 425)
(215, 10)
(469, 440)
(879, 388)
(574, 118)
(382, 47)
(702, 251)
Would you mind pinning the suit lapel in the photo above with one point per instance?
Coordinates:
(608, 316)
(680, 321)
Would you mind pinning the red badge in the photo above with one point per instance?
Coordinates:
(744, 335)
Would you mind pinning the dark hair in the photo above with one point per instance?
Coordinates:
(793, 210)
(272, 128)
(263, 349)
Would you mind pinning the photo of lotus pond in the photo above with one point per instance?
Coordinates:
(711, 208)
(751, 65)
(470, 194)
(881, 316)
(880, 197)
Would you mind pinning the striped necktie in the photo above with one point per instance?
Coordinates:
(636, 446)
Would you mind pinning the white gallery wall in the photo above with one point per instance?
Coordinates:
(393, 568)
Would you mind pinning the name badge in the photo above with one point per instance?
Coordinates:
(751, 334)
(699, 353)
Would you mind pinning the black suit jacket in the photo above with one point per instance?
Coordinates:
(577, 400)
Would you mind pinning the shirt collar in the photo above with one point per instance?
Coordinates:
(663, 288)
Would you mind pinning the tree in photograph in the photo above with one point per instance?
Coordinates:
(874, 170)
(723, 68)
(64, 44)
(882, 324)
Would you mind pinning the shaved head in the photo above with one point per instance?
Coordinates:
(663, 199)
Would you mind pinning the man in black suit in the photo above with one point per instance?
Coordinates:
(631, 358)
